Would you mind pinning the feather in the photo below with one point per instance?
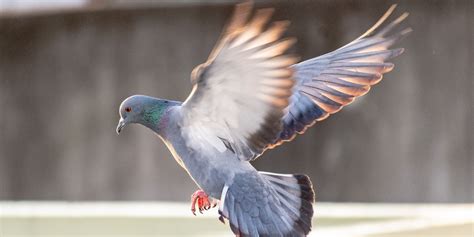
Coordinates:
(241, 92)
(334, 80)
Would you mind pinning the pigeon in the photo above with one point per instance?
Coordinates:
(251, 95)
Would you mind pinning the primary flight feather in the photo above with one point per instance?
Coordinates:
(250, 96)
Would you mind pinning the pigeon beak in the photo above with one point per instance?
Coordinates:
(120, 125)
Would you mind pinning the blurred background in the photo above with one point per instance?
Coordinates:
(65, 66)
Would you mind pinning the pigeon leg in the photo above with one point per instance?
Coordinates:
(202, 200)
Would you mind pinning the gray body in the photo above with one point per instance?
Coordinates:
(209, 168)
(256, 203)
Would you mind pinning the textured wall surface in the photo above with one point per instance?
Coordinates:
(63, 76)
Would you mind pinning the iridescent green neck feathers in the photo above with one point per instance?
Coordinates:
(148, 111)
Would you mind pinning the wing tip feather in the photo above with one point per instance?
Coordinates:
(379, 22)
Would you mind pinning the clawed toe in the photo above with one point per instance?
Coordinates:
(201, 200)
(221, 217)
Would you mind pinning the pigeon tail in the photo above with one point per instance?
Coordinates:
(268, 204)
(299, 189)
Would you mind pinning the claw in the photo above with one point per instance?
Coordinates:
(193, 204)
(201, 199)
(221, 217)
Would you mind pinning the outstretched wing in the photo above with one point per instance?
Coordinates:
(329, 82)
(240, 93)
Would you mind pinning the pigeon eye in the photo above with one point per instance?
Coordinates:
(128, 109)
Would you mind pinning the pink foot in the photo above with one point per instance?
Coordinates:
(202, 200)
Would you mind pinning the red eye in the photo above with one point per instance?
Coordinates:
(128, 109)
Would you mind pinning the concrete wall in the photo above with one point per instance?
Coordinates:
(63, 76)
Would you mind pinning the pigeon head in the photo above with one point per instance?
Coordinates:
(143, 110)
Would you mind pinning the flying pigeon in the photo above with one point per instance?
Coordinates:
(250, 96)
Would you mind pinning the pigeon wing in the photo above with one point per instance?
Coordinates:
(329, 82)
(239, 95)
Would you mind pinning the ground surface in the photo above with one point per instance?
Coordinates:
(175, 219)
